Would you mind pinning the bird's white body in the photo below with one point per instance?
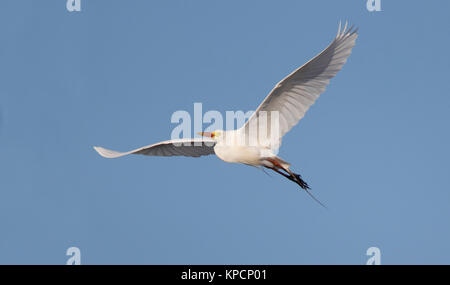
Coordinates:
(239, 154)
(233, 147)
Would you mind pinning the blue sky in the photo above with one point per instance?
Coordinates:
(374, 147)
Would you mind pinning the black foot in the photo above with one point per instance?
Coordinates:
(301, 182)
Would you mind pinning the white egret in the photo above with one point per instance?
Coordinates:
(290, 98)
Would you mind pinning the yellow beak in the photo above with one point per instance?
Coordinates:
(206, 134)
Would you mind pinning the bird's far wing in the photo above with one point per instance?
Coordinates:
(181, 147)
(293, 95)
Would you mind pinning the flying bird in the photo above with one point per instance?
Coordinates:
(286, 104)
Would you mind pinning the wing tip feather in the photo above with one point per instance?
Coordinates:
(342, 33)
(107, 152)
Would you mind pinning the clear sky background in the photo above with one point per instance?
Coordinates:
(374, 147)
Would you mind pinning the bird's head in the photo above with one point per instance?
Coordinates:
(217, 134)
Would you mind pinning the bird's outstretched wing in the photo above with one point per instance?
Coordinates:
(293, 95)
(181, 147)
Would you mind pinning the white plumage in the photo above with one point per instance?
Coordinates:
(184, 147)
(286, 104)
(293, 95)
